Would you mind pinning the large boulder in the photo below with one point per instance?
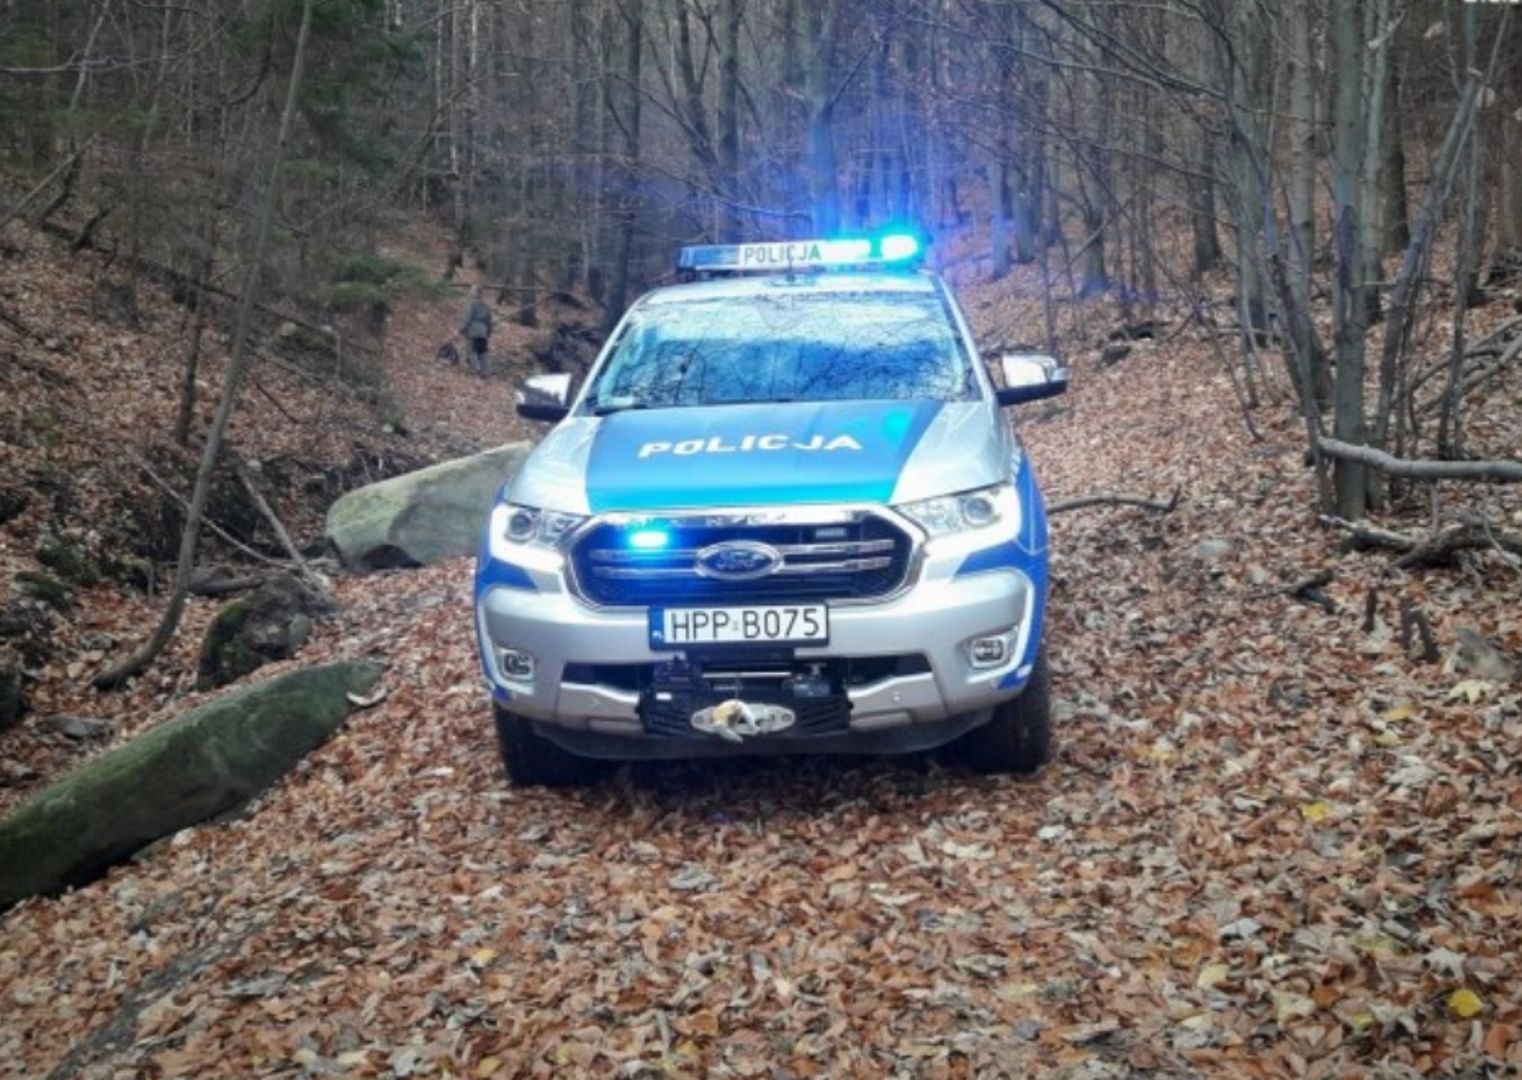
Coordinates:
(421, 517)
(183, 772)
(268, 624)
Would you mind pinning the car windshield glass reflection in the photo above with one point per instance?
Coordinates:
(775, 349)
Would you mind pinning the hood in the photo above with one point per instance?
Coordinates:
(763, 455)
(754, 455)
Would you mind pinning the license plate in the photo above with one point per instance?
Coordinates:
(675, 628)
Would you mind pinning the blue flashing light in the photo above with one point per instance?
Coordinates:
(896, 247)
(649, 539)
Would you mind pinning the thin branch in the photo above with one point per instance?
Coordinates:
(1505, 472)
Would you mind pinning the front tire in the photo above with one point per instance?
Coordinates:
(531, 760)
(1018, 738)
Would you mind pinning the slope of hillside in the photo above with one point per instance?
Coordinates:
(1272, 843)
(91, 482)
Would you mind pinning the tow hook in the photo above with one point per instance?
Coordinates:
(735, 720)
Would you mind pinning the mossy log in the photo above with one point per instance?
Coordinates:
(180, 773)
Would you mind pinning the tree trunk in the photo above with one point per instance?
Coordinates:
(1349, 477)
(1302, 207)
(729, 118)
(623, 243)
(1394, 216)
(236, 370)
(824, 193)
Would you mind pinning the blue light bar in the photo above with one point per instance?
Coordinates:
(896, 247)
(649, 539)
(892, 249)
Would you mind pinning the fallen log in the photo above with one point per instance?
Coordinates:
(218, 582)
(191, 768)
(1504, 472)
(1106, 498)
(1433, 547)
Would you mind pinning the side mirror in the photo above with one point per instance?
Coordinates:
(1030, 377)
(545, 397)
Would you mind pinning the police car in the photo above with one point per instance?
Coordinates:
(783, 514)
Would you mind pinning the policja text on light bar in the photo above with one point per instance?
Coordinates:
(800, 254)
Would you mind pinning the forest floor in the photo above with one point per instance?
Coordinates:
(1271, 841)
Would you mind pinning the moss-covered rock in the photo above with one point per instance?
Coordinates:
(269, 624)
(421, 517)
(46, 588)
(68, 558)
(183, 772)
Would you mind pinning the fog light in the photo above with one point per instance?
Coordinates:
(516, 665)
(987, 652)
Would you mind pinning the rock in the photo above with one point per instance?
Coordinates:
(11, 708)
(27, 627)
(1210, 549)
(421, 517)
(12, 502)
(46, 588)
(269, 624)
(78, 727)
(97, 641)
(1477, 657)
(68, 559)
(183, 772)
(1114, 353)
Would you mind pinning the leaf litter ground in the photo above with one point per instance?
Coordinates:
(1270, 844)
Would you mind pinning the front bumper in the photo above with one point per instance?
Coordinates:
(966, 586)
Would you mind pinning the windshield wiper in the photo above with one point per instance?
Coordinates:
(610, 407)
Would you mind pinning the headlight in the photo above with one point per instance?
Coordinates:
(978, 509)
(530, 525)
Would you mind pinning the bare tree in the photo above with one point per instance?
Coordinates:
(236, 371)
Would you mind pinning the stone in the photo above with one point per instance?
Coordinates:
(1476, 656)
(1211, 549)
(185, 771)
(1114, 353)
(421, 517)
(269, 624)
(78, 727)
(46, 588)
(11, 705)
(12, 502)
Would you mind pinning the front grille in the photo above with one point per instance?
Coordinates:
(857, 556)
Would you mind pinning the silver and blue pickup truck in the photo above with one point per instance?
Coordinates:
(783, 513)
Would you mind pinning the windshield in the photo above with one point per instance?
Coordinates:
(786, 348)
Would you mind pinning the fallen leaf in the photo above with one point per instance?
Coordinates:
(1465, 1003)
(1316, 812)
(1290, 1006)
(1498, 1039)
(1472, 690)
(1212, 975)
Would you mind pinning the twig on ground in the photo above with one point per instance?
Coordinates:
(1413, 619)
(217, 584)
(1434, 547)
(1105, 498)
(278, 526)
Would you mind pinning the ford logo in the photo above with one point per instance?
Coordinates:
(738, 560)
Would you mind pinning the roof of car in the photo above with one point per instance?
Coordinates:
(828, 283)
